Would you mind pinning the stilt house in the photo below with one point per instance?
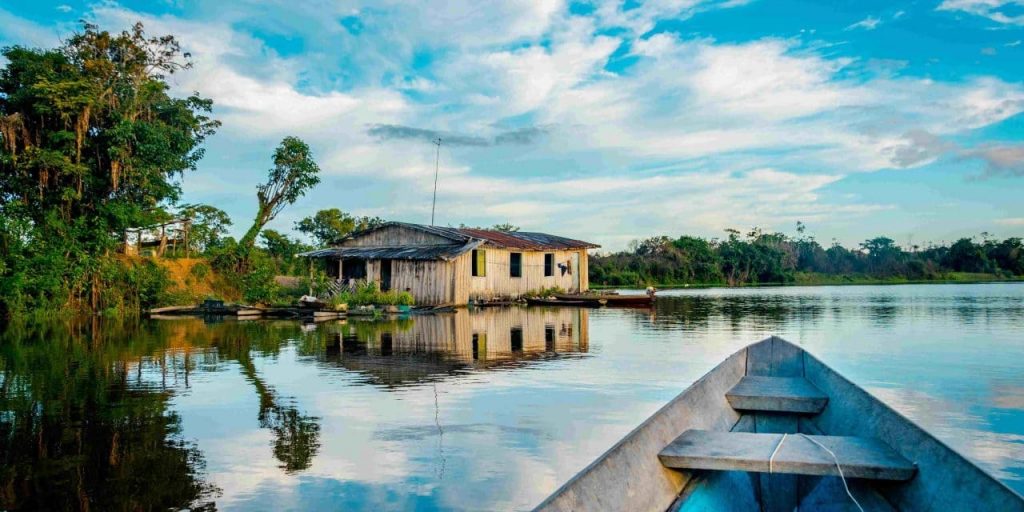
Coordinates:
(442, 265)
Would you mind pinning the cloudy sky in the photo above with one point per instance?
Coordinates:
(608, 120)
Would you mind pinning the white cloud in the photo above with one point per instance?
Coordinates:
(1011, 221)
(991, 9)
(869, 23)
(687, 117)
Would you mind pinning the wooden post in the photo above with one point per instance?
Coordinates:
(188, 225)
(310, 275)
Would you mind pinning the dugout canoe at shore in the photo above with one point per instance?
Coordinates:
(772, 428)
(609, 299)
(543, 301)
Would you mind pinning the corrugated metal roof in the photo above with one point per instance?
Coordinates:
(526, 240)
(405, 252)
(511, 240)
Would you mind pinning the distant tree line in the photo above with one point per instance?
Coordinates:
(760, 257)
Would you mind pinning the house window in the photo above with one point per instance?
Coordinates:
(516, 339)
(479, 346)
(479, 263)
(549, 265)
(515, 264)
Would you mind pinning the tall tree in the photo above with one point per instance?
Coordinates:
(327, 226)
(91, 143)
(294, 173)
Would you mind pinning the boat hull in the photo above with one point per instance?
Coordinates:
(630, 476)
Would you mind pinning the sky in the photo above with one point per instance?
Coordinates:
(606, 121)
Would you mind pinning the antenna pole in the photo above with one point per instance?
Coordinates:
(437, 160)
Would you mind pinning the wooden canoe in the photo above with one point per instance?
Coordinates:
(750, 435)
(539, 301)
(611, 299)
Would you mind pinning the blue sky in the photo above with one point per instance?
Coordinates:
(608, 121)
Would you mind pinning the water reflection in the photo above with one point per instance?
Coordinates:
(86, 415)
(488, 409)
(417, 349)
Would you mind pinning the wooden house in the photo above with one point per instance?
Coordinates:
(442, 265)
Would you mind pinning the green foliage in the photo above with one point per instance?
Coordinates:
(328, 226)
(775, 258)
(545, 292)
(367, 294)
(294, 173)
(200, 270)
(257, 283)
(283, 250)
(90, 144)
(209, 225)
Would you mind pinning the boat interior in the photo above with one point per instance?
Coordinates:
(773, 429)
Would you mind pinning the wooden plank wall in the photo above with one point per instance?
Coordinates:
(394, 236)
(498, 282)
(430, 282)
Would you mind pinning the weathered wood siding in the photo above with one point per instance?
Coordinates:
(394, 236)
(431, 283)
(499, 283)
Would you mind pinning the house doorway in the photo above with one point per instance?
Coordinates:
(353, 269)
(385, 275)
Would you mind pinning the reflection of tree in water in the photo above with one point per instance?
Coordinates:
(296, 435)
(79, 430)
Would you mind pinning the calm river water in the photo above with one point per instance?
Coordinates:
(474, 410)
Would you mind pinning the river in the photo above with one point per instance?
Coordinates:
(475, 410)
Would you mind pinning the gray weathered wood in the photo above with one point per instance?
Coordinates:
(776, 394)
(734, 451)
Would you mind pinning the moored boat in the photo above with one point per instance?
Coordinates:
(543, 301)
(610, 299)
(772, 428)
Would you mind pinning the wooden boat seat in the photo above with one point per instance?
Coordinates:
(776, 394)
(860, 457)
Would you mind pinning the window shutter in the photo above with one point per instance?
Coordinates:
(481, 263)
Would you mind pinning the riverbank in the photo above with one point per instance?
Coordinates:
(811, 279)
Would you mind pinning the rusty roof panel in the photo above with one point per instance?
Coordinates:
(526, 240)
(503, 239)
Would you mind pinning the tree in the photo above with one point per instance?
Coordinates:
(328, 226)
(91, 143)
(507, 227)
(209, 224)
(966, 256)
(294, 173)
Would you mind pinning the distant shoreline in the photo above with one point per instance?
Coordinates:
(963, 278)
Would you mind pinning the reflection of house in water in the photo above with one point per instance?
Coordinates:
(402, 352)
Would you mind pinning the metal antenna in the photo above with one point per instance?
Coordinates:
(437, 160)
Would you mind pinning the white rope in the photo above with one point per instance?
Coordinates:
(834, 458)
(771, 460)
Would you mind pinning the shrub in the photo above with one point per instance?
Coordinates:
(200, 270)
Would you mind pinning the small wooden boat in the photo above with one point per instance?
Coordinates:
(611, 299)
(542, 301)
(773, 429)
